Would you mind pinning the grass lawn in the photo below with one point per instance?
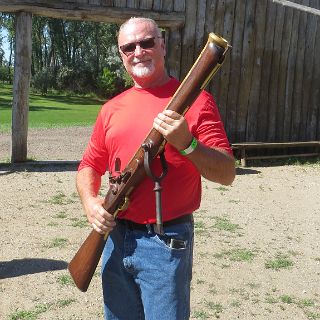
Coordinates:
(52, 110)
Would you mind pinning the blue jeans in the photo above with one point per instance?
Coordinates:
(143, 278)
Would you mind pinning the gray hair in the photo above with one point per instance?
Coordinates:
(141, 19)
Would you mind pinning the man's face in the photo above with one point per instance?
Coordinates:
(142, 50)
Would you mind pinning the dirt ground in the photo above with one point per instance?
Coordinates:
(256, 250)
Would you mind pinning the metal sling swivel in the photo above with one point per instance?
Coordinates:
(157, 184)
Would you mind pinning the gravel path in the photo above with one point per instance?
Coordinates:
(256, 242)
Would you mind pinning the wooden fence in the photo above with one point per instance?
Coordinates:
(269, 86)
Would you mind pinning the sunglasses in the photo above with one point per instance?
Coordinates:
(130, 48)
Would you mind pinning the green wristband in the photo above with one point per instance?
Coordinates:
(191, 148)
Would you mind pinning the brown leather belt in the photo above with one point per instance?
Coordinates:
(146, 227)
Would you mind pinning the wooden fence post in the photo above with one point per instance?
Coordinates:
(21, 84)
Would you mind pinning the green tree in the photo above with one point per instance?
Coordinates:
(71, 55)
(7, 23)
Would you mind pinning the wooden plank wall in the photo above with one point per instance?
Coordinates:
(269, 87)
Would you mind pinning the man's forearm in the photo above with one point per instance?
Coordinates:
(213, 164)
(88, 183)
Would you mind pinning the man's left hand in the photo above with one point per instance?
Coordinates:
(174, 127)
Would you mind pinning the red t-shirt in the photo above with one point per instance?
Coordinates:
(123, 124)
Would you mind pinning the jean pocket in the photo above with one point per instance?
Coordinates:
(171, 243)
(176, 238)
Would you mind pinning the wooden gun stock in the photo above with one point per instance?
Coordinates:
(84, 263)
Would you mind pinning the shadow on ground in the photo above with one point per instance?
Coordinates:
(39, 166)
(21, 267)
(242, 171)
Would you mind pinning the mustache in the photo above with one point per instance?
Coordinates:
(137, 60)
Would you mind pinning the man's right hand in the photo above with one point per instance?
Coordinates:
(88, 185)
(101, 220)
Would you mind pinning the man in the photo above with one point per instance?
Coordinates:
(146, 275)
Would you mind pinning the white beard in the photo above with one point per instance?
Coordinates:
(142, 71)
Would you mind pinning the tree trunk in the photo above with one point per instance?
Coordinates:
(21, 84)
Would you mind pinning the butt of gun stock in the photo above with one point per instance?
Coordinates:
(85, 261)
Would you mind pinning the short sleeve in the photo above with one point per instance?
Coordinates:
(96, 155)
(209, 128)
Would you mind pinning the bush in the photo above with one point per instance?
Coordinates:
(107, 83)
(128, 82)
(44, 80)
(80, 80)
(6, 74)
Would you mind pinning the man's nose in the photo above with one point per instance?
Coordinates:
(138, 51)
